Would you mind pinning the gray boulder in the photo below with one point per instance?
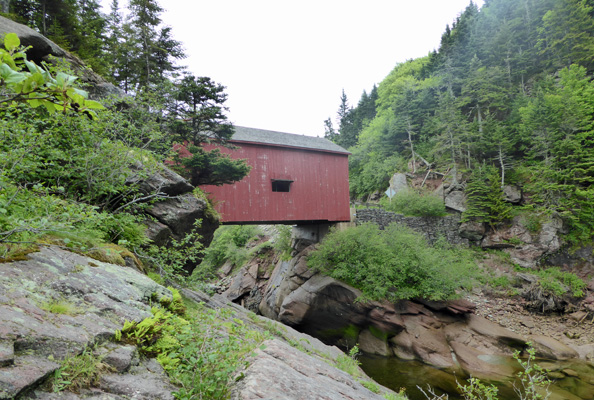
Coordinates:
(512, 194)
(279, 371)
(456, 200)
(398, 183)
(163, 180)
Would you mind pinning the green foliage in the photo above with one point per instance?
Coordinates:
(476, 390)
(511, 88)
(396, 396)
(176, 259)
(228, 245)
(412, 203)
(60, 306)
(349, 363)
(174, 304)
(26, 82)
(28, 214)
(371, 386)
(485, 198)
(79, 372)
(533, 382)
(282, 242)
(393, 264)
(559, 283)
(201, 353)
(212, 167)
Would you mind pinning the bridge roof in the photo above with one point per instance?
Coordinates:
(282, 139)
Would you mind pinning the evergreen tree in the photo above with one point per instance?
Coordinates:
(199, 116)
(567, 34)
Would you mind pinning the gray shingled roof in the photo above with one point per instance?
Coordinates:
(243, 134)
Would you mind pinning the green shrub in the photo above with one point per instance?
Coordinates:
(228, 245)
(412, 203)
(282, 243)
(28, 213)
(485, 198)
(172, 261)
(560, 283)
(393, 264)
(201, 352)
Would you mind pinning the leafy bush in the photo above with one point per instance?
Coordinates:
(228, 245)
(393, 264)
(28, 213)
(200, 352)
(173, 260)
(412, 203)
(560, 283)
(282, 243)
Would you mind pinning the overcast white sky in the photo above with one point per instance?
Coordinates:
(285, 63)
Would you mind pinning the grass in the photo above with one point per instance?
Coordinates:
(60, 306)
(78, 372)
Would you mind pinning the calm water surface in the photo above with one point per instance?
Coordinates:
(395, 374)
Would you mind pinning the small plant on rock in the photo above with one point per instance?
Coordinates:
(79, 372)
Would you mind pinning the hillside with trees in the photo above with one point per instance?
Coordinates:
(71, 168)
(506, 99)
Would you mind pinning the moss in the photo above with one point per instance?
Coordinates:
(378, 333)
(113, 254)
(349, 334)
(16, 252)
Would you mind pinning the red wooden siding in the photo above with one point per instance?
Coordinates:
(319, 191)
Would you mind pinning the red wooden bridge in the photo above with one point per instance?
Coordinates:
(294, 179)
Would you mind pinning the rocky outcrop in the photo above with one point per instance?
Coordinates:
(176, 210)
(44, 50)
(101, 297)
(278, 371)
(526, 248)
(446, 335)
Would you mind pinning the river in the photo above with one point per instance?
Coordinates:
(574, 380)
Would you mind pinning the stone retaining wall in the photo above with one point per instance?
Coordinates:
(431, 227)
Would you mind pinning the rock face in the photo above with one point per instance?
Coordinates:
(445, 335)
(526, 248)
(456, 200)
(100, 297)
(44, 49)
(175, 213)
(33, 341)
(272, 375)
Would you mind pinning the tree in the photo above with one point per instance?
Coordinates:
(199, 116)
(329, 132)
(567, 34)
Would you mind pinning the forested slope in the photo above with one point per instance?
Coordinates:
(507, 99)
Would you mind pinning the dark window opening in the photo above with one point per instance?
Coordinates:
(281, 186)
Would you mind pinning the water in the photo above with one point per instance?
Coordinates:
(575, 378)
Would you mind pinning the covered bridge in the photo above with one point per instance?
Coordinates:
(294, 179)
